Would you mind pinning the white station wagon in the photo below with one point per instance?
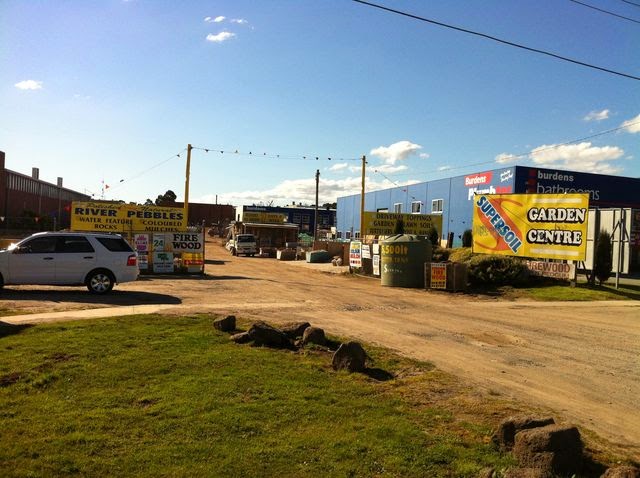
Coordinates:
(69, 258)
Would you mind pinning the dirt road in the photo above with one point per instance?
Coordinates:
(581, 360)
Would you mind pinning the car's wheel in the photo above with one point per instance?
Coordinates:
(100, 281)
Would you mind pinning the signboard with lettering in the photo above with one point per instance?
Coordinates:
(355, 254)
(384, 223)
(143, 261)
(158, 242)
(141, 242)
(376, 265)
(549, 226)
(438, 275)
(163, 262)
(263, 217)
(104, 216)
(555, 270)
(366, 251)
(186, 241)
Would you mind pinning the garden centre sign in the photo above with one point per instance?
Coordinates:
(99, 216)
(384, 223)
(551, 226)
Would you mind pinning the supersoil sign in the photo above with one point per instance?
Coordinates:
(551, 226)
(99, 216)
(384, 223)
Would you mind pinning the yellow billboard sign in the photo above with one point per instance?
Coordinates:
(102, 216)
(551, 226)
(263, 217)
(384, 223)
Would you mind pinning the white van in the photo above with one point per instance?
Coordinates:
(243, 244)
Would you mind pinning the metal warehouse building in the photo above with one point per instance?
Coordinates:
(453, 198)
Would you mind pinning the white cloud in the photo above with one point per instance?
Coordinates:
(239, 21)
(29, 85)
(505, 158)
(424, 155)
(597, 115)
(579, 157)
(632, 125)
(220, 37)
(444, 168)
(396, 152)
(338, 167)
(303, 190)
(218, 19)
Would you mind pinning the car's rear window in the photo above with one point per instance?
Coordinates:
(115, 244)
(246, 239)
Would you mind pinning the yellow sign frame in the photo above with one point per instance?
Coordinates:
(384, 223)
(105, 216)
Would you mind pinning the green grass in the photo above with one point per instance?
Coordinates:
(159, 396)
(550, 291)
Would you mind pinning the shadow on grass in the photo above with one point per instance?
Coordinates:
(115, 297)
(378, 374)
(11, 329)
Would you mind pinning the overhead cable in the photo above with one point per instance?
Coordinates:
(499, 40)
(605, 11)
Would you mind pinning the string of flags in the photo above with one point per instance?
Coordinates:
(272, 155)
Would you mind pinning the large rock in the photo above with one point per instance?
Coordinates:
(554, 448)
(505, 436)
(313, 335)
(622, 472)
(241, 338)
(263, 334)
(350, 356)
(228, 324)
(295, 329)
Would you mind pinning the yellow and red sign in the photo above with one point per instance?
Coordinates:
(105, 216)
(551, 226)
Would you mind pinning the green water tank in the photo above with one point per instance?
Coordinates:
(402, 259)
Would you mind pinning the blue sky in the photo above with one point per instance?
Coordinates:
(112, 90)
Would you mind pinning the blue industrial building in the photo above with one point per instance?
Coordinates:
(453, 197)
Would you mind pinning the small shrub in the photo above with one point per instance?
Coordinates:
(467, 238)
(603, 263)
(496, 270)
(440, 254)
(461, 254)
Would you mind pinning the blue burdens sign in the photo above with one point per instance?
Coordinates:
(604, 191)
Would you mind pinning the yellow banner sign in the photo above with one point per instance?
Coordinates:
(101, 216)
(551, 226)
(384, 223)
(263, 217)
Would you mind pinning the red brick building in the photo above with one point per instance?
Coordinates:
(48, 202)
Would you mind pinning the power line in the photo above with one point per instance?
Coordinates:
(252, 154)
(499, 40)
(524, 155)
(135, 176)
(605, 11)
(631, 3)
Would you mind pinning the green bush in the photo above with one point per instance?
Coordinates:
(496, 270)
(467, 238)
(461, 254)
(603, 264)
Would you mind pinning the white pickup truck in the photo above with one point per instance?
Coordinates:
(242, 244)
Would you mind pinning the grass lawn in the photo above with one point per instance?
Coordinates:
(167, 396)
(550, 291)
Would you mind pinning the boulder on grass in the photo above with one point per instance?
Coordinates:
(622, 472)
(505, 436)
(313, 335)
(241, 338)
(295, 329)
(350, 356)
(228, 324)
(554, 448)
(263, 334)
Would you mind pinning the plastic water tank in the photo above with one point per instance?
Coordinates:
(402, 259)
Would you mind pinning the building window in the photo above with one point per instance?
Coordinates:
(347, 235)
(436, 205)
(357, 235)
(339, 235)
(416, 207)
(382, 209)
(397, 207)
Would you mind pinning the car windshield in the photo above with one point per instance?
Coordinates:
(246, 239)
